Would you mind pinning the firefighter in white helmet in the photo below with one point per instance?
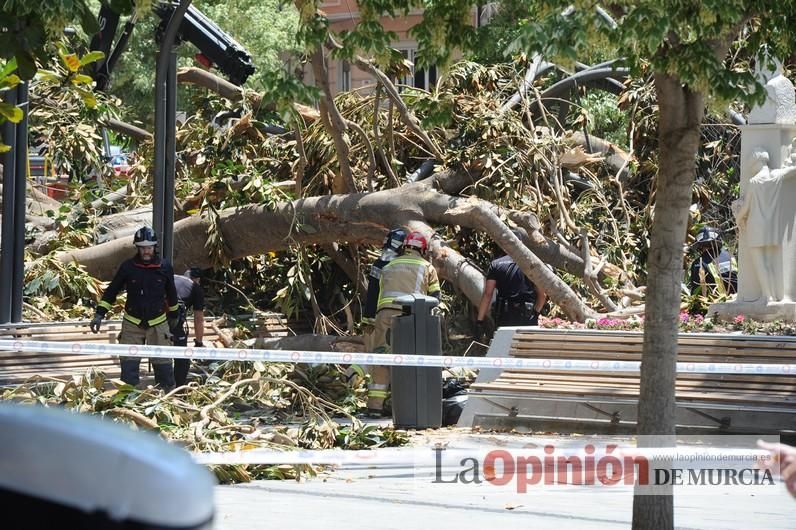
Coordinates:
(407, 274)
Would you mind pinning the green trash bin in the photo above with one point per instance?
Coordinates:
(416, 390)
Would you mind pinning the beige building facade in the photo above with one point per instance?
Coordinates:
(343, 15)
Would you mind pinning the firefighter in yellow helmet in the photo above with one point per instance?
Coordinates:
(407, 274)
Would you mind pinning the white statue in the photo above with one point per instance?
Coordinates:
(758, 214)
(780, 104)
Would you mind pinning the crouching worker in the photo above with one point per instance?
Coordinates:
(151, 307)
(191, 296)
(519, 301)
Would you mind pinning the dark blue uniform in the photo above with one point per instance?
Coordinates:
(150, 291)
(723, 264)
(516, 294)
(151, 300)
(192, 296)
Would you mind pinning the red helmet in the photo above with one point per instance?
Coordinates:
(417, 241)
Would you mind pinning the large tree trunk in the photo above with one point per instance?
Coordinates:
(355, 218)
(681, 112)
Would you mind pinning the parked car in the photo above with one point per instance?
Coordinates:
(120, 164)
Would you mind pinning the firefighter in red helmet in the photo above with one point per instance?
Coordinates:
(407, 274)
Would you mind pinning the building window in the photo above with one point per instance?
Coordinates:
(343, 76)
(424, 78)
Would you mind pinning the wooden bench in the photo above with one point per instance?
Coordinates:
(17, 367)
(743, 402)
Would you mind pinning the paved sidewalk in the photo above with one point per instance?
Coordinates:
(405, 496)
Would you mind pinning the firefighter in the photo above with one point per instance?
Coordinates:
(519, 301)
(391, 249)
(714, 261)
(407, 274)
(151, 307)
(191, 296)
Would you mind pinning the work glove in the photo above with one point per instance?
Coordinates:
(96, 322)
(198, 343)
(480, 330)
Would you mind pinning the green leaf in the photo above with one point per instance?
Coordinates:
(48, 75)
(9, 81)
(91, 57)
(81, 79)
(10, 66)
(88, 98)
(12, 113)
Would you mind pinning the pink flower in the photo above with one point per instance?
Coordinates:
(740, 319)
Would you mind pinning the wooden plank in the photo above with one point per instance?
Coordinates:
(774, 384)
(606, 356)
(767, 378)
(767, 341)
(707, 351)
(776, 392)
(757, 389)
(634, 386)
(585, 391)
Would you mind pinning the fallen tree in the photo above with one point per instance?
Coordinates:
(355, 218)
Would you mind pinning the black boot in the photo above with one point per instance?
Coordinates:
(181, 368)
(164, 376)
(130, 371)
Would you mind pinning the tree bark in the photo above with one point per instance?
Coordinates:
(234, 93)
(681, 112)
(136, 133)
(355, 218)
(615, 157)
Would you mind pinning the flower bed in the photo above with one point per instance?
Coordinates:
(694, 323)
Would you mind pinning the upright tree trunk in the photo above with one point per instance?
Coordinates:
(681, 112)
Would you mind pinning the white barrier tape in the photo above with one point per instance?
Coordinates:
(380, 359)
(413, 455)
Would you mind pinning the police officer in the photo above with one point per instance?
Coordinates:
(404, 275)
(714, 261)
(151, 307)
(519, 301)
(191, 295)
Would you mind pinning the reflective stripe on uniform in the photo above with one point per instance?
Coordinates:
(402, 276)
(377, 393)
(137, 321)
(104, 304)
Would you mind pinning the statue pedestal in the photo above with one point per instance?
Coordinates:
(755, 310)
